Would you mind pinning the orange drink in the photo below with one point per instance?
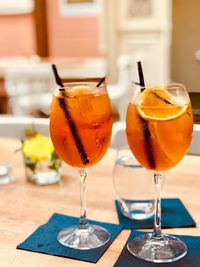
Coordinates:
(90, 113)
(159, 127)
(159, 131)
(80, 128)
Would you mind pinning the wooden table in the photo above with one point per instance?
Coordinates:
(25, 206)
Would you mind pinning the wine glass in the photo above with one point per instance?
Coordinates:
(159, 127)
(80, 128)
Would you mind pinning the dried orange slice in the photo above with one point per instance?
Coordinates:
(156, 103)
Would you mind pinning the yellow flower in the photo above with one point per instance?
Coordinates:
(38, 148)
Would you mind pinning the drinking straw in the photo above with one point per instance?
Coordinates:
(141, 76)
(57, 77)
(145, 124)
(136, 83)
(101, 81)
(64, 107)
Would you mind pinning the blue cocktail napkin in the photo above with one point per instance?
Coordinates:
(44, 239)
(174, 214)
(126, 259)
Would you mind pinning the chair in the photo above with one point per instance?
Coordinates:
(29, 88)
(119, 137)
(14, 127)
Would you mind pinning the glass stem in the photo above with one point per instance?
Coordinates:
(83, 223)
(158, 180)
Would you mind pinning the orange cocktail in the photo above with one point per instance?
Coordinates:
(159, 132)
(81, 127)
(90, 111)
(159, 128)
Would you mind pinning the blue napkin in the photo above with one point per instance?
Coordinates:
(192, 259)
(174, 214)
(44, 239)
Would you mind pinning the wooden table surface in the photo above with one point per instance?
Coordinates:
(25, 206)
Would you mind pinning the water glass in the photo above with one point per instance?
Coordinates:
(133, 186)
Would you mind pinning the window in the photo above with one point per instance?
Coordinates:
(9, 7)
(79, 7)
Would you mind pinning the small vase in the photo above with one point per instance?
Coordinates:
(43, 172)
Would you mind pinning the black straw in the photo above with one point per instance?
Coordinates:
(57, 77)
(74, 131)
(101, 81)
(72, 125)
(145, 124)
(141, 76)
(136, 83)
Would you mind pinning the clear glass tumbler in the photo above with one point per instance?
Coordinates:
(133, 186)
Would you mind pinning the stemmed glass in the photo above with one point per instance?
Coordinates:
(80, 128)
(159, 131)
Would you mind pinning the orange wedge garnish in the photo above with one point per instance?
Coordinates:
(156, 103)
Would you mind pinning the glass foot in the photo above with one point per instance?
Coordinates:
(158, 250)
(91, 237)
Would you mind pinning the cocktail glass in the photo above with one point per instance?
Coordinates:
(80, 128)
(159, 132)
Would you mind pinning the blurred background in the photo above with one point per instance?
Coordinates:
(94, 38)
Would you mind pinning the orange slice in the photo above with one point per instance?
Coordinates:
(156, 103)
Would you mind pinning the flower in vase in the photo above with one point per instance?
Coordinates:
(38, 148)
